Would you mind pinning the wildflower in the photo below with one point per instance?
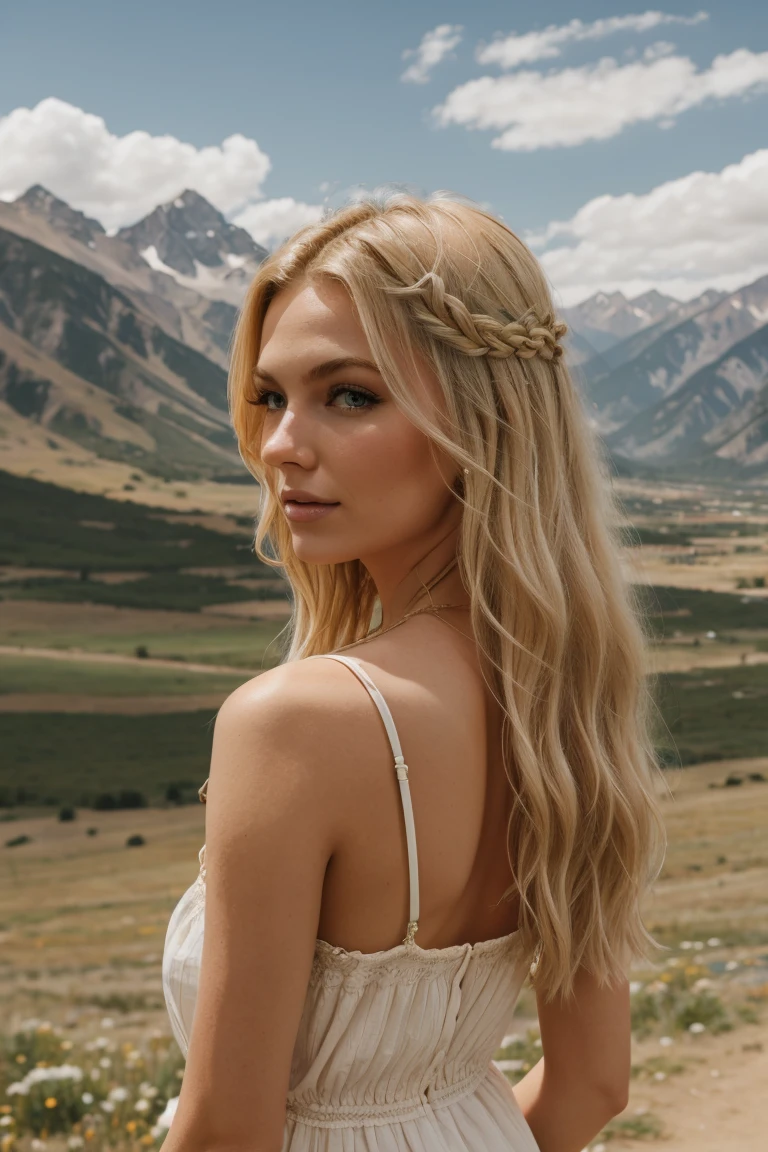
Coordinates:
(513, 1038)
(101, 1042)
(147, 1139)
(731, 966)
(5, 1108)
(118, 1095)
(635, 987)
(148, 1090)
(659, 1075)
(696, 1028)
(714, 942)
(130, 1126)
(166, 1117)
(105, 1062)
(38, 1145)
(666, 1041)
(89, 1133)
(87, 1098)
(75, 1142)
(66, 1045)
(51, 1101)
(107, 1106)
(142, 1105)
(6, 1121)
(95, 1073)
(21, 1058)
(107, 1022)
(6, 1144)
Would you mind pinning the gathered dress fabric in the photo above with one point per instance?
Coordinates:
(394, 1051)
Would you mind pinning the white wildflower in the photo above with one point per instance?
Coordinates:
(142, 1104)
(107, 1022)
(87, 1098)
(666, 1041)
(513, 1038)
(105, 1062)
(118, 1094)
(107, 1105)
(659, 1075)
(6, 1121)
(75, 1142)
(95, 1073)
(165, 1119)
(148, 1090)
(696, 1028)
(43, 1075)
(714, 942)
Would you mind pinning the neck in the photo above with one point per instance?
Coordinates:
(416, 577)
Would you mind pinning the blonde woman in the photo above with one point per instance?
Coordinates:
(448, 784)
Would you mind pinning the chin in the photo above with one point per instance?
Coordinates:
(311, 551)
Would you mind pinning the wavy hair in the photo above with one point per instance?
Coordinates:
(539, 552)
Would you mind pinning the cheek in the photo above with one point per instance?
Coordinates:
(391, 470)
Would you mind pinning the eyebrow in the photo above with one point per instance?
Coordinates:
(321, 370)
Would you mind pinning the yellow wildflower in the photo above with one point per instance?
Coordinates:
(21, 1058)
(51, 1101)
(89, 1133)
(130, 1126)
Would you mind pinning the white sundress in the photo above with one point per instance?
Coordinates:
(394, 1051)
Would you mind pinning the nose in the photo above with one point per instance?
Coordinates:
(286, 439)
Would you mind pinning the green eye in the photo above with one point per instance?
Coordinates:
(361, 400)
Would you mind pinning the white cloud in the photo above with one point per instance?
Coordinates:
(596, 101)
(119, 179)
(704, 230)
(513, 50)
(434, 47)
(270, 221)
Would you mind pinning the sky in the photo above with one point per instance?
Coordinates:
(626, 144)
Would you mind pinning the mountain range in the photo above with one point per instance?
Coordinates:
(115, 346)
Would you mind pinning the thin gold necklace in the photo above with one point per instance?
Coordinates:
(431, 607)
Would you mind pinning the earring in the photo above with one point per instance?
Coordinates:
(466, 471)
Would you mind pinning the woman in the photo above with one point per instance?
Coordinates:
(398, 390)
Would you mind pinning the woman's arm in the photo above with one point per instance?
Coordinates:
(272, 812)
(582, 1080)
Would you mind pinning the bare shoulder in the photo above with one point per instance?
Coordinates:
(296, 729)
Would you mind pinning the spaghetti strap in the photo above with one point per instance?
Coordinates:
(401, 769)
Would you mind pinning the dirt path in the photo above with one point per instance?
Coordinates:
(116, 658)
(717, 1105)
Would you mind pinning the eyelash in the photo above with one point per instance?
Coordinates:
(337, 390)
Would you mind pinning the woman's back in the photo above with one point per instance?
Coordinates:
(395, 1033)
(450, 728)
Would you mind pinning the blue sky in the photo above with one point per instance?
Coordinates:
(320, 93)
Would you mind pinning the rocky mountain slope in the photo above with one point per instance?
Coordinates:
(80, 358)
(119, 343)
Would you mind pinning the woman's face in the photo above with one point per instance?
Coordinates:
(337, 439)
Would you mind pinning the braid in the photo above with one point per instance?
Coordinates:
(447, 318)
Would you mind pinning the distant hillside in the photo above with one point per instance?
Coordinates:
(79, 357)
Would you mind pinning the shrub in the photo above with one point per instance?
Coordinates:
(135, 841)
(66, 814)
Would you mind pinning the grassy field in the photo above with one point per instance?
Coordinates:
(83, 917)
(123, 627)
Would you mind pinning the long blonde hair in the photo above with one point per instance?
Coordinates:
(538, 552)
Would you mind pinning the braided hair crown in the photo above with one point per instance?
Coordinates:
(447, 318)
